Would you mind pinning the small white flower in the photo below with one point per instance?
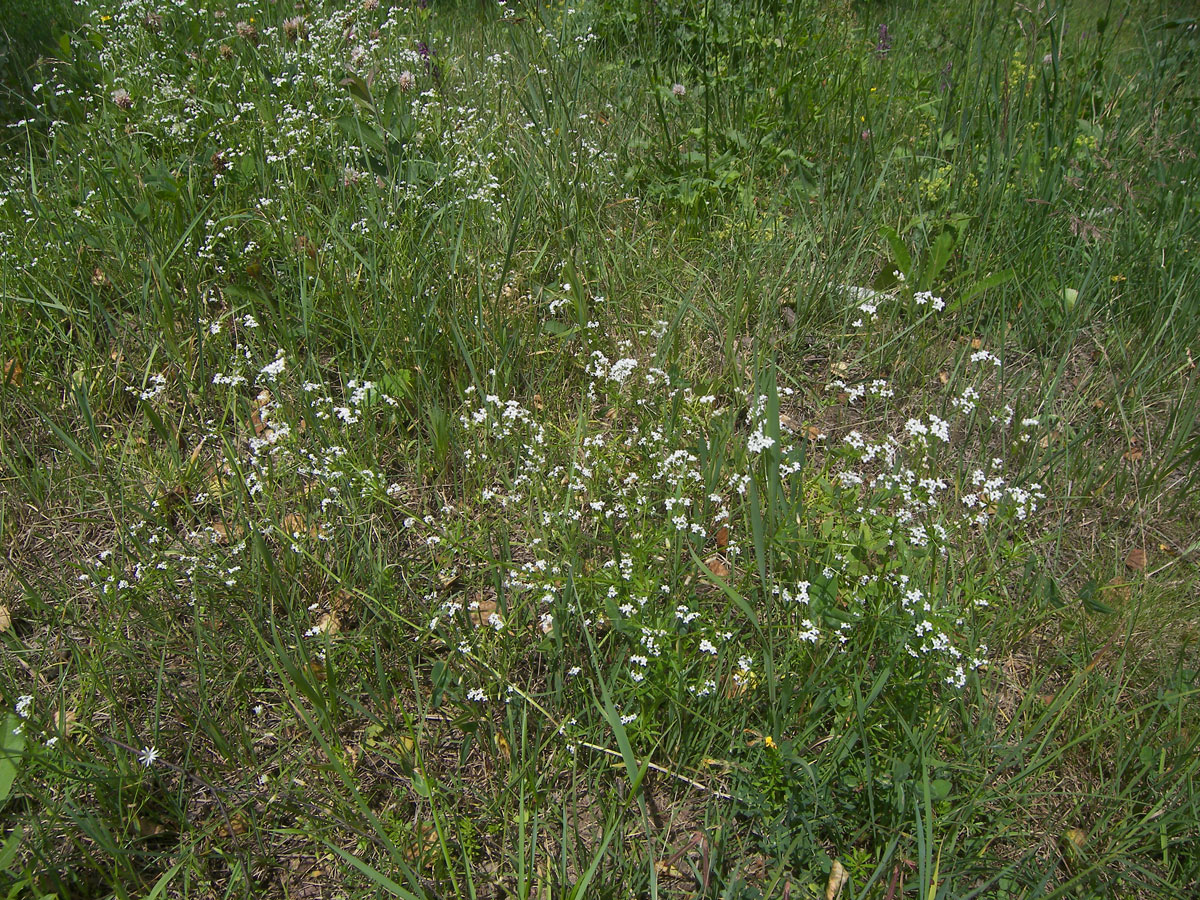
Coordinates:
(759, 441)
(148, 756)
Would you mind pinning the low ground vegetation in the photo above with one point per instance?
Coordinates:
(643, 449)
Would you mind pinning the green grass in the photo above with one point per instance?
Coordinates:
(653, 450)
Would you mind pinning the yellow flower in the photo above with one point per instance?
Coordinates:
(770, 742)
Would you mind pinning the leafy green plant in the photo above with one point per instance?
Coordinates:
(629, 450)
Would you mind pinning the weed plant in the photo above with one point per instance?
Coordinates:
(647, 449)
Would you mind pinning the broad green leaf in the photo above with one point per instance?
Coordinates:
(12, 747)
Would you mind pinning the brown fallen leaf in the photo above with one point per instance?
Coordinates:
(838, 876)
(665, 869)
(226, 534)
(1134, 453)
(502, 748)
(944, 377)
(256, 419)
(236, 826)
(482, 611)
(344, 605)
(422, 843)
(13, 373)
(329, 624)
(5, 619)
(1073, 842)
(1136, 559)
(1050, 437)
(838, 879)
(722, 537)
(718, 566)
(737, 684)
(65, 721)
(147, 827)
(294, 525)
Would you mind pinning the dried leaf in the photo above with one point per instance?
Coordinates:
(329, 624)
(718, 566)
(666, 870)
(740, 682)
(481, 613)
(502, 747)
(838, 876)
(1134, 453)
(226, 534)
(147, 827)
(260, 426)
(1136, 559)
(1072, 842)
(5, 619)
(295, 526)
(13, 373)
(422, 842)
(976, 343)
(235, 826)
(722, 537)
(344, 605)
(814, 433)
(944, 377)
